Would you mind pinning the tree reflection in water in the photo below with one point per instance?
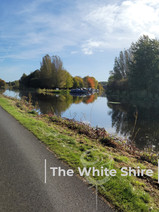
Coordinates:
(57, 104)
(145, 132)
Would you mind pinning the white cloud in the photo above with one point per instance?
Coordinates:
(89, 26)
(120, 24)
(91, 45)
(103, 17)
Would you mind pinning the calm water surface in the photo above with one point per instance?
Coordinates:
(140, 123)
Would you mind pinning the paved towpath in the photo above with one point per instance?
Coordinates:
(22, 175)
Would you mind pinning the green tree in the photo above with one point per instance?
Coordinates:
(100, 87)
(59, 74)
(23, 81)
(144, 70)
(78, 82)
(53, 74)
(137, 69)
(15, 84)
(46, 72)
(69, 80)
(122, 64)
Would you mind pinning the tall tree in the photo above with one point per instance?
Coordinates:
(144, 71)
(46, 72)
(53, 75)
(121, 65)
(69, 80)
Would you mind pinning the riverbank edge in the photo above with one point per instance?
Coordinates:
(52, 91)
(69, 144)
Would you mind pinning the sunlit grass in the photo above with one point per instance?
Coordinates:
(125, 193)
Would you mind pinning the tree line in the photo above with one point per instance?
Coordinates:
(52, 75)
(137, 69)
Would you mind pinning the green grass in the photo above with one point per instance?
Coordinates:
(78, 150)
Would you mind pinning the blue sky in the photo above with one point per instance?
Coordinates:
(86, 34)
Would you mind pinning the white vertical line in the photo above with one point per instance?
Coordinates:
(158, 170)
(96, 198)
(45, 172)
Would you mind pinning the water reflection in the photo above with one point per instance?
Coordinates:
(139, 124)
(57, 104)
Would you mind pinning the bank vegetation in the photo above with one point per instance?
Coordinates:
(80, 145)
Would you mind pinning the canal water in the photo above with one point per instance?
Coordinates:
(138, 123)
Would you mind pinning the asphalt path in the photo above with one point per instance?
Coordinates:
(23, 176)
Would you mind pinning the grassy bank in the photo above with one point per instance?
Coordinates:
(82, 146)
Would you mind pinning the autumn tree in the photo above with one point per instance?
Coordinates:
(78, 82)
(90, 82)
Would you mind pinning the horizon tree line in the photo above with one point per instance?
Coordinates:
(52, 75)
